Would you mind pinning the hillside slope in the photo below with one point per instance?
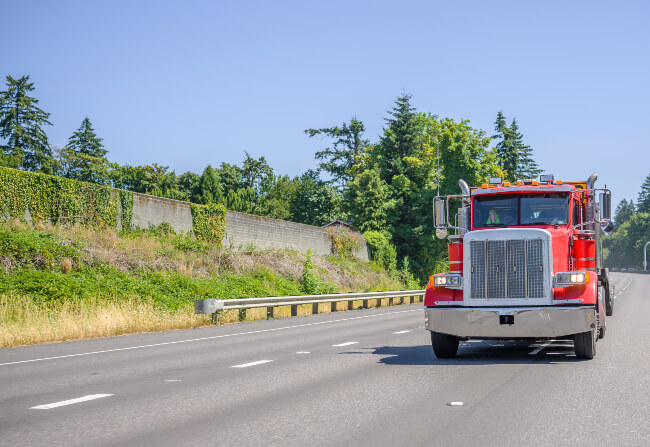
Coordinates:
(59, 283)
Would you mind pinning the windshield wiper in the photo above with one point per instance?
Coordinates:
(538, 223)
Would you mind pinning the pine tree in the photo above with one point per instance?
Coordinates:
(345, 151)
(21, 122)
(643, 201)
(87, 153)
(624, 211)
(506, 148)
(401, 139)
(515, 157)
(527, 167)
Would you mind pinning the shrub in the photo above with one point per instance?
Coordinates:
(209, 222)
(312, 283)
(383, 252)
(344, 242)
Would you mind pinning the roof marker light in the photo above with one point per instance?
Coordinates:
(484, 185)
(558, 182)
(506, 183)
(519, 182)
(534, 183)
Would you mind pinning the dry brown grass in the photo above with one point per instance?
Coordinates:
(22, 322)
(66, 265)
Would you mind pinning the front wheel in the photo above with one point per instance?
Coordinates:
(444, 346)
(584, 344)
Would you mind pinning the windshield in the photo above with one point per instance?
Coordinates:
(521, 209)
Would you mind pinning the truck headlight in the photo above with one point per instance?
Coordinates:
(564, 279)
(446, 280)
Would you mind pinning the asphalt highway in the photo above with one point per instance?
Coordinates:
(365, 377)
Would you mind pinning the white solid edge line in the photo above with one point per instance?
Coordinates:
(401, 332)
(70, 402)
(257, 362)
(347, 343)
(152, 345)
(541, 347)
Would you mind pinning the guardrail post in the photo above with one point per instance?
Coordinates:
(390, 301)
(411, 299)
(365, 304)
(350, 304)
(270, 312)
(333, 306)
(294, 310)
(215, 317)
(242, 314)
(314, 308)
(378, 302)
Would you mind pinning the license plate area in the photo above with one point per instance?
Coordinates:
(507, 319)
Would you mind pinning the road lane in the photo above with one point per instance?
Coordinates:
(386, 389)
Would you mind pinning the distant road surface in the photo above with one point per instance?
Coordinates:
(366, 377)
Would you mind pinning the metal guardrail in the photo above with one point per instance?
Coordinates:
(216, 306)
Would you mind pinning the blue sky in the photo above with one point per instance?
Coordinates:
(192, 83)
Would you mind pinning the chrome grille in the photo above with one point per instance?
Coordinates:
(535, 260)
(477, 254)
(507, 269)
(516, 269)
(496, 269)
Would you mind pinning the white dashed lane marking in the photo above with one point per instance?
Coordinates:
(541, 347)
(246, 365)
(63, 403)
(401, 332)
(347, 343)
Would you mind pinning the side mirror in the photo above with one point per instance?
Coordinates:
(605, 206)
(440, 217)
(439, 212)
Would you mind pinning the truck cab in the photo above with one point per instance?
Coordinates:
(525, 262)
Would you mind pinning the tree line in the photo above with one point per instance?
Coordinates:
(624, 247)
(385, 187)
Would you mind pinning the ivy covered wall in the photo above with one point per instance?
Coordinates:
(47, 198)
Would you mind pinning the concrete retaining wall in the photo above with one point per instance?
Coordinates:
(152, 211)
(242, 230)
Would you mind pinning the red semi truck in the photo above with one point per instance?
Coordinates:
(525, 262)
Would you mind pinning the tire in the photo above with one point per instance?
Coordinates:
(584, 344)
(444, 346)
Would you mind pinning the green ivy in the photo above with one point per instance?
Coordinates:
(209, 222)
(67, 201)
(126, 201)
(56, 199)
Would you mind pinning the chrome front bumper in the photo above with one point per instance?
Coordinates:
(486, 322)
